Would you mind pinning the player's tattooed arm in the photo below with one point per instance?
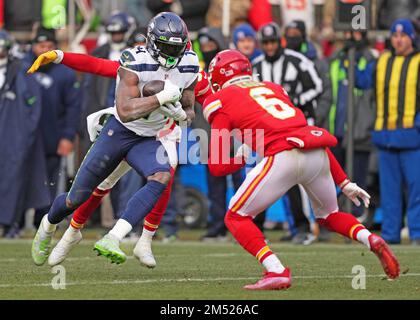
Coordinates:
(129, 106)
(187, 101)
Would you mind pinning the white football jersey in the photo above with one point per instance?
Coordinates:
(139, 61)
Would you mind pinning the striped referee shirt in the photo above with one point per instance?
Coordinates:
(297, 74)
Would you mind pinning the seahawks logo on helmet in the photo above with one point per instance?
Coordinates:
(167, 38)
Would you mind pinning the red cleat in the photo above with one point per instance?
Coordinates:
(273, 281)
(388, 260)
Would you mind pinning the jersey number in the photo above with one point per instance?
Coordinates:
(274, 106)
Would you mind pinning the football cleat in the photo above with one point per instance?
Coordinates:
(41, 245)
(143, 252)
(273, 281)
(69, 239)
(109, 247)
(388, 260)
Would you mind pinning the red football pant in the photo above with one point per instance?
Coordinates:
(342, 223)
(248, 235)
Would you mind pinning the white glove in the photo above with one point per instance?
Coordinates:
(243, 151)
(353, 192)
(171, 93)
(174, 111)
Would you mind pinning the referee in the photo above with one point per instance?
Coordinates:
(395, 77)
(298, 76)
(289, 68)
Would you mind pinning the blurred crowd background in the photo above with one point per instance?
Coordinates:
(297, 43)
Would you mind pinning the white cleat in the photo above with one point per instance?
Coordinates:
(69, 239)
(143, 252)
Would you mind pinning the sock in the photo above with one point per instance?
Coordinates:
(273, 264)
(153, 219)
(72, 229)
(344, 224)
(83, 213)
(248, 235)
(59, 210)
(363, 237)
(70, 232)
(121, 229)
(142, 202)
(147, 235)
(48, 226)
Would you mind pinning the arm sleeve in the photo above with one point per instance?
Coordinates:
(202, 90)
(90, 64)
(200, 97)
(220, 163)
(337, 172)
(72, 102)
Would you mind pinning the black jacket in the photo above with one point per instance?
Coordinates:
(297, 74)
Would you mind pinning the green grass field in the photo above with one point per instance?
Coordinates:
(194, 270)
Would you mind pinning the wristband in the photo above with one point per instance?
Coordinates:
(344, 183)
(60, 56)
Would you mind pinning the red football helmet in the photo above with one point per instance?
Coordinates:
(226, 65)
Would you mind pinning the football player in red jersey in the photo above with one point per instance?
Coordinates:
(293, 153)
(109, 68)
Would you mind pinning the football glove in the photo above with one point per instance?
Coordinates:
(174, 111)
(354, 192)
(171, 93)
(45, 58)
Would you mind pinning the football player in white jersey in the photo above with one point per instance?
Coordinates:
(130, 133)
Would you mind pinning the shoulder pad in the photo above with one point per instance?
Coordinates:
(138, 59)
(127, 57)
(211, 105)
(190, 58)
(134, 55)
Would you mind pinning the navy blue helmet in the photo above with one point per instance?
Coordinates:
(119, 22)
(167, 38)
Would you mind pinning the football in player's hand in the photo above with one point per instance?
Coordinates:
(153, 87)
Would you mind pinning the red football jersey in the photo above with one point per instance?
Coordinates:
(257, 108)
(202, 90)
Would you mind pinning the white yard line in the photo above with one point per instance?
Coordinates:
(210, 255)
(183, 243)
(137, 281)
